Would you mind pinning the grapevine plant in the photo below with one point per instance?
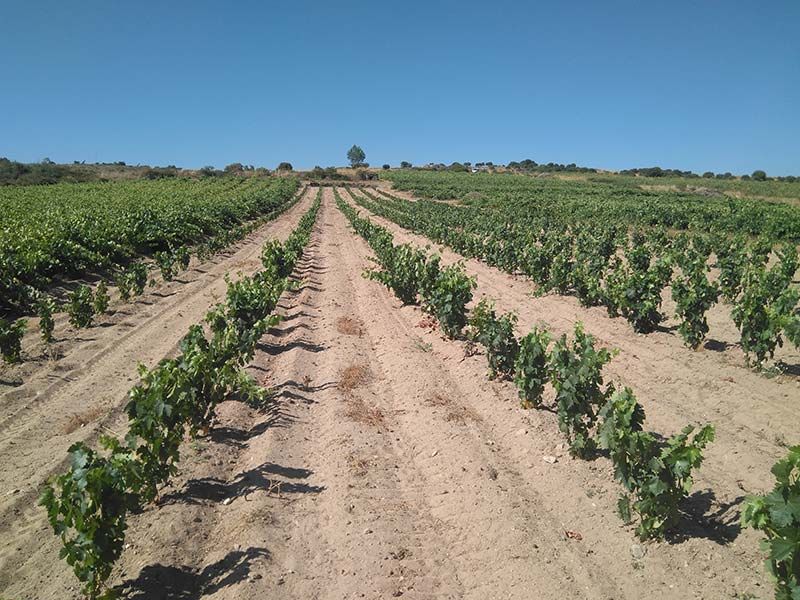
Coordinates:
(497, 336)
(45, 308)
(11, 339)
(530, 368)
(87, 508)
(81, 307)
(777, 515)
(576, 374)
(101, 298)
(767, 308)
(656, 475)
(694, 295)
(449, 297)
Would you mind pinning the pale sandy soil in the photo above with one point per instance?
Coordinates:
(390, 466)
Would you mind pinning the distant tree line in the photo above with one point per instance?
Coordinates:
(327, 173)
(529, 165)
(757, 175)
(47, 172)
(17, 173)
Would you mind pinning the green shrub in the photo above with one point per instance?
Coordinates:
(45, 308)
(657, 476)
(166, 263)
(403, 272)
(694, 295)
(576, 374)
(87, 508)
(11, 339)
(634, 290)
(530, 368)
(777, 515)
(81, 307)
(767, 308)
(101, 298)
(449, 298)
(497, 336)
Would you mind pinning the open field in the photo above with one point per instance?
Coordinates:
(376, 459)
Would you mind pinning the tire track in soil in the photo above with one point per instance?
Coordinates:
(35, 440)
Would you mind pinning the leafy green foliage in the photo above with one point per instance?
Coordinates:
(408, 272)
(101, 298)
(81, 307)
(480, 320)
(275, 259)
(250, 299)
(132, 281)
(76, 229)
(602, 199)
(777, 515)
(356, 155)
(123, 283)
(731, 260)
(87, 508)
(593, 250)
(165, 261)
(634, 289)
(767, 307)
(576, 374)
(11, 339)
(449, 297)
(137, 274)
(496, 334)
(694, 295)
(656, 475)
(45, 308)
(182, 258)
(157, 410)
(530, 368)
(403, 272)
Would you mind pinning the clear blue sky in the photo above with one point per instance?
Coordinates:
(696, 85)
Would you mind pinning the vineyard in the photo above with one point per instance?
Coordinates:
(73, 230)
(442, 385)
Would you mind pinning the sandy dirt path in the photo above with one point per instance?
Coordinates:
(389, 466)
(83, 395)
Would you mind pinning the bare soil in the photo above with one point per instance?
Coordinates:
(388, 465)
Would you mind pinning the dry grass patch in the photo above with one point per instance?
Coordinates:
(81, 419)
(349, 326)
(462, 414)
(437, 399)
(359, 412)
(455, 413)
(353, 376)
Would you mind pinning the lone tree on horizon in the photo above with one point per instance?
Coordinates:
(356, 156)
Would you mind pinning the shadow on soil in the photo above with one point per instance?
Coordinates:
(704, 517)
(275, 349)
(716, 345)
(167, 582)
(275, 480)
(296, 315)
(283, 332)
